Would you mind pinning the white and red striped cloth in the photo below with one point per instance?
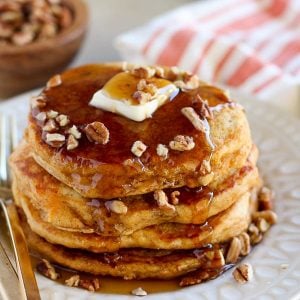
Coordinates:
(249, 45)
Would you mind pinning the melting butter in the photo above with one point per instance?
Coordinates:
(116, 96)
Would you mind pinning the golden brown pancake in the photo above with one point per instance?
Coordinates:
(112, 170)
(65, 209)
(127, 263)
(217, 229)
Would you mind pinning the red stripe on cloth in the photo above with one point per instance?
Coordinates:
(153, 37)
(265, 84)
(287, 53)
(202, 55)
(223, 10)
(248, 67)
(275, 9)
(222, 62)
(175, 47)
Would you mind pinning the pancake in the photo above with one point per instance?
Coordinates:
(216, 229)
(112, 170)
(127, 263)
(65, 209)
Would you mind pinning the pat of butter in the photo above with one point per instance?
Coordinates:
(116, 97)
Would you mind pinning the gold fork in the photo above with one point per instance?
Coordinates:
(8, 141)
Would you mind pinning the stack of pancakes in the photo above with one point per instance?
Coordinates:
(97, 208)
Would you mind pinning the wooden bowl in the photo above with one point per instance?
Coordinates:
(26, 67)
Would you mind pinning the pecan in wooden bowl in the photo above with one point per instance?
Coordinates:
(38, 38)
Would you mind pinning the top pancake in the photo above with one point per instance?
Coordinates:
(111, 170)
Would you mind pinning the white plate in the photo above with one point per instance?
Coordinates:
(278, 138)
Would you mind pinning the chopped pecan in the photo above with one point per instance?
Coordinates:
(245, 243)
(46, 269)
(97, 132)
(51, 114)
(117, 207)
(194, 118)
(202, 108)
(182, 143)
(162, 201)
(54, 81)
(75, 132)
(142, 97)
(72, 143)
(234, 251)
(188, 82)
(48, 30)
(143, 72)
(138, 148)
(55, 139)
(265, 198)
(139, 292)
(243, 273)
(42, 116)
(284, 266)
(91, 285)
(22, 38)
(38, 101)
(73, 281)
(50, 126)
(174, 197)
(62, 120)
(205, 167)
(269, 215)
(162, 150)
(262, 225)
(159, 72)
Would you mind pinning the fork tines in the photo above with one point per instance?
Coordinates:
(8, 141)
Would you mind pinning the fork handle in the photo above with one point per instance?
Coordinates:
(26, 276)
(8, 278)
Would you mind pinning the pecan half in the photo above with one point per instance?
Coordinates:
(97, 132)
